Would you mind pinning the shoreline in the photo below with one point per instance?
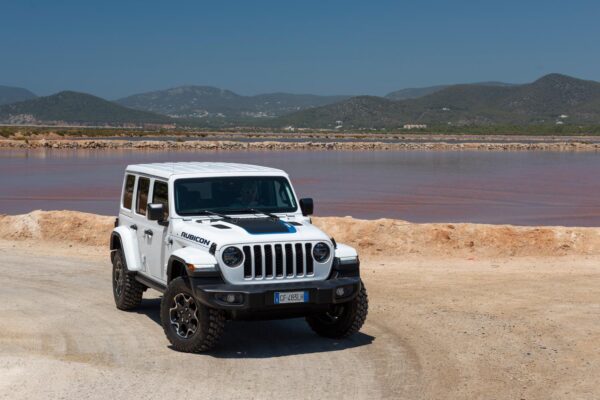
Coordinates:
(232, 145)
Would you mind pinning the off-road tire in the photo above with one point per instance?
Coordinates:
(210, 321)
(350, 317)
(128, 293)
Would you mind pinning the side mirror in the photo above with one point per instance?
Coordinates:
(307, 206)
(156, 212)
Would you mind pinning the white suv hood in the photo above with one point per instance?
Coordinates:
(204, 232)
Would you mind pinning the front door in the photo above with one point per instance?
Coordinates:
(151, 234)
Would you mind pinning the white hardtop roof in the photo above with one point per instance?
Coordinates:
(166, 170)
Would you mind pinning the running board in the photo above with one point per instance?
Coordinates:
(151, 283)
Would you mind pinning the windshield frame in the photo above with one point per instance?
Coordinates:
(242, 210)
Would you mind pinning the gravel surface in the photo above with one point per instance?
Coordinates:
(452, 328)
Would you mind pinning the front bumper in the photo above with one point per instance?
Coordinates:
(261, 297)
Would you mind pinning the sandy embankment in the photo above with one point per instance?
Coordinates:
(457, 311)
(224, 145)
(379, 238)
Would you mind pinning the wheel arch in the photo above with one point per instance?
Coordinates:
(176, 267)
(181, 258)
(122, 239)
(115, 244)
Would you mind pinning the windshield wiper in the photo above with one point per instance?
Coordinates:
(215, 214)
(255, 211)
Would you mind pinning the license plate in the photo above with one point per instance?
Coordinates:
(291, 297)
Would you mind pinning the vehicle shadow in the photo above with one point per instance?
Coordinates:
(267, 339)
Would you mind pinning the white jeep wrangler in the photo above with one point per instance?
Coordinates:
(229, 241)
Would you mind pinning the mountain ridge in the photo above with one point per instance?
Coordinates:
(416, 92)
(194, 101)
(553, 98)
(13, 94)
(75, 108)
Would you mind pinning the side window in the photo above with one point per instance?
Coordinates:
(141, 196)
(160, 195)
(128, 192)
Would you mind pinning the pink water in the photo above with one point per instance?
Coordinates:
(526, 188)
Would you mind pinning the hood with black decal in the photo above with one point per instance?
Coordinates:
(206, 232)
(262, 226)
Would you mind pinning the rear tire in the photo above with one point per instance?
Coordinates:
(342, 320)
(126, 290)
(190, 326)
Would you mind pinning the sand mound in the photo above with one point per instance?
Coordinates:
(389, 237)
(385, 237)
(35, 136)
(60, 226)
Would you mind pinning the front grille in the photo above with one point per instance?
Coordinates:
(283, 261)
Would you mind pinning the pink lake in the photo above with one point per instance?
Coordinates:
(524, 188)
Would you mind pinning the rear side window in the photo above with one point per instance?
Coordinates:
(142, 196)
(160, 195)
(128, 192)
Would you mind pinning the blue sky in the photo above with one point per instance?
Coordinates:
(115, 48)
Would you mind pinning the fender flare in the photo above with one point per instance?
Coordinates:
(129, 246)
(346, 262)
(343, 251)
(191, 255)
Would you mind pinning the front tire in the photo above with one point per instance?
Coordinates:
(342, 320)
(126, 290)
(190, 326)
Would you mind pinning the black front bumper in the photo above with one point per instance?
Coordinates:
(261, 297)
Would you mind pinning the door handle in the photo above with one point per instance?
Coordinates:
(148, 232)
(134, 227)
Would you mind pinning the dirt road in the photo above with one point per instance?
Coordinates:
(438, 328)
(61, 337)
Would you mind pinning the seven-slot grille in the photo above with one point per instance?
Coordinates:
(267, 261)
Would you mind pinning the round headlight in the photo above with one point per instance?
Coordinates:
(232, 256)
(321, 252)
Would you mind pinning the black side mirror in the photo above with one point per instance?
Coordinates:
(156, 212)
(307, 206)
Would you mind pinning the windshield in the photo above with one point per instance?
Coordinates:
(234, 195)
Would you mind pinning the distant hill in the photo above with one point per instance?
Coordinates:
(361, 111)
(554, 98)
(9, 94)
(192, 102)
(414, 93)
(76, 108)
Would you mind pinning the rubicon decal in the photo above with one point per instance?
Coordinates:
(195, 238)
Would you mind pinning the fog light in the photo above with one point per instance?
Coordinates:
(230, 298)
(344, 291)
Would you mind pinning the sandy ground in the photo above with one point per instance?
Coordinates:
(381, 237)
(474, 323)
